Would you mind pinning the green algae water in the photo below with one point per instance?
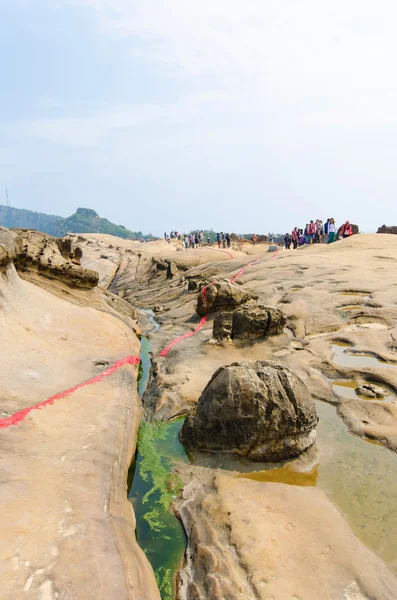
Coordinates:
(154, 486)
(144, 367)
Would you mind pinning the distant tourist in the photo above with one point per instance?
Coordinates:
(312, 232)
(307, 234)
(319, 231)
(218, 239)
(208, 241)
(331, 231)
(186, 240)
(228, 240)
(287, 241)
(295, 237)
(255, 239)
(346, 231)
(325, 231)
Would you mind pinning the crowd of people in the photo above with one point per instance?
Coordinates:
(196, 240)
(317, 232)
(223, 239)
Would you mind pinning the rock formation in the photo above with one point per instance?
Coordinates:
(258, 410)
(221, 295)
(53, 258)
(10, 245)
(249, 321)
(386, 229)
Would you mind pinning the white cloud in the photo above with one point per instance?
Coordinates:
(327, 60)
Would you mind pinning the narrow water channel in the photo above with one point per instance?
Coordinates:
(153, 487)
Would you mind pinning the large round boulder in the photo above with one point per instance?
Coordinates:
(257, 410)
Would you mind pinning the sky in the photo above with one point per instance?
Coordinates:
(236, 115)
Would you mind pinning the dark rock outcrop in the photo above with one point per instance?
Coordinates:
(172, 269)
(221, 295)
(257, 410)
(249, 321)
(386, 229)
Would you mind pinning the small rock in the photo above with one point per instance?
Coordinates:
(370, 390)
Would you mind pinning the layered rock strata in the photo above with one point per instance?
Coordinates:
(53, 258)
(248, 322)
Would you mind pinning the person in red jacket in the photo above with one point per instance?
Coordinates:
(347, 230)
(312, 232)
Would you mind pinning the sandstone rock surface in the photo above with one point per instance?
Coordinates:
(67, 528)
(249, 322)
(345, 293)
(256, 541)
(260, 411)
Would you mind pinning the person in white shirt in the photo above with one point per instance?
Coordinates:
(331, 231)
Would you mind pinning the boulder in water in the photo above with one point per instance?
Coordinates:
(257, 410)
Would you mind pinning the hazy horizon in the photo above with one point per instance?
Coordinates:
(236, 116)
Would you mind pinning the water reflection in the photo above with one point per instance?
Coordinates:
(344, 357)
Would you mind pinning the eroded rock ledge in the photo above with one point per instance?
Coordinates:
(53, 258)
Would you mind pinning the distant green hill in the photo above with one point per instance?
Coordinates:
(85, 220)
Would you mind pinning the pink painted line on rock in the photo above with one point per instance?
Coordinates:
(219, 250)
(19, 416)
(204, 294)
(183, 337)
(242, 270)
